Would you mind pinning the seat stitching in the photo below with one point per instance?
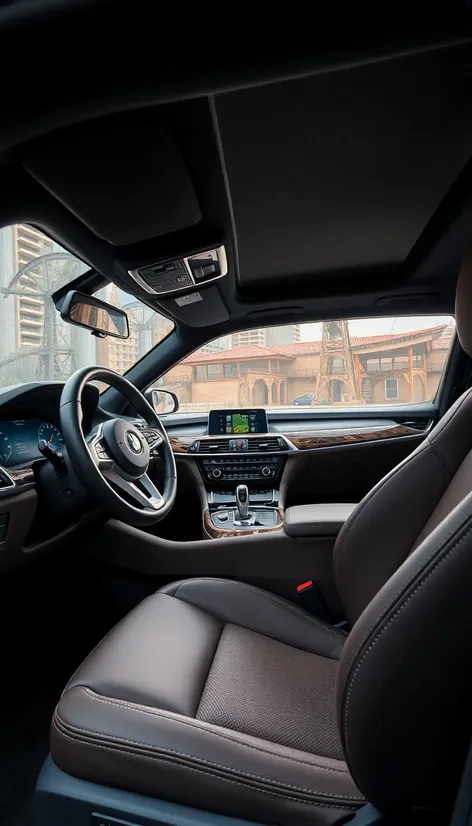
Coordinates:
(273, 598)
(404, 586)
(393, 617)
(95, 741)
(194, 724)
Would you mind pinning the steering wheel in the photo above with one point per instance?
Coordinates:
(112, 461)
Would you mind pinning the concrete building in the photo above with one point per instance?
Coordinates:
(267, 336)
(34, 341)
(395, 368)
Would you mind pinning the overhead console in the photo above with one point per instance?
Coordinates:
(176, 274)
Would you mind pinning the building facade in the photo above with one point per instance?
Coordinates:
(267, 336)
(395, 368)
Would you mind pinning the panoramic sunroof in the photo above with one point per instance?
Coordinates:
(344, 170)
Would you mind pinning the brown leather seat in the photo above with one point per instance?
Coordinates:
(221, 696)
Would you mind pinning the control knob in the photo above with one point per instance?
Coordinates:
(216, 473)
(266, 471)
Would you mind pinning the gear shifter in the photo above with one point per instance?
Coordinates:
(242, 501)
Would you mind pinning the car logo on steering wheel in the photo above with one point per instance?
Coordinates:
(133, 442)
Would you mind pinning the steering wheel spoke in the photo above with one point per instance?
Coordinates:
(142, 491)
(99, 450)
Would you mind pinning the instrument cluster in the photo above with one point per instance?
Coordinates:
(19, 440)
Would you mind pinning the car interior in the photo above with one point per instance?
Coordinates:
(251, 606)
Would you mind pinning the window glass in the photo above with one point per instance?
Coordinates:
(391, 389)
(35, 343)
(335, 363)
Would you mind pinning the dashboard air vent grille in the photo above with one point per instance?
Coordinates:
(214, 446)
(418, 424)
(267, 445)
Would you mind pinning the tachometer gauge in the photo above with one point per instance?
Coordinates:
(5, 448)
(51, 435)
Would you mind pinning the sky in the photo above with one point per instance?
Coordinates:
(378, 326)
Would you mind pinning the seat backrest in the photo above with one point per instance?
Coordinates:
(403, 508)
(403, 564)
(404, 684)
(408, 503)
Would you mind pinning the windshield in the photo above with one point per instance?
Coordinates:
(35, 343)
(372, 361)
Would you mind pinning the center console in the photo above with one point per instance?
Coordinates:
(241, 465)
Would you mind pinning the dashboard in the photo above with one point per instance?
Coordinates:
(19, 440)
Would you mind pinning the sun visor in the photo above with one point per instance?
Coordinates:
(124, 176)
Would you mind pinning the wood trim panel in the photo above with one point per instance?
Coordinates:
(309, 440)
(21, 476)
(218, 533)
(332, 438)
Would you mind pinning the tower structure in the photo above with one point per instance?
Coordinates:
(337, 380)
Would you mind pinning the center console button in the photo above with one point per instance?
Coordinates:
(216, 473)
(266, 471)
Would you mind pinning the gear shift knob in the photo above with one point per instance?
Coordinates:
(242, 501)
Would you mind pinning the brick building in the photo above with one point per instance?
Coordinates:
(395, 368)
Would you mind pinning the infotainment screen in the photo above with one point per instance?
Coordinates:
(236, 422)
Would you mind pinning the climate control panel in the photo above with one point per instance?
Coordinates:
(241, 468)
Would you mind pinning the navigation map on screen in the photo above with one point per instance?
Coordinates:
(240, 423)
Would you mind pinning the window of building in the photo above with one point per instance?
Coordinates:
(230, 370)
(215, 372)
(391, 389)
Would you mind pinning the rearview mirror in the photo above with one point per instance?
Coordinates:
(93, 314)
(163, 401)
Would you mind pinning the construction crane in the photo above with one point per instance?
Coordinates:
(41, 277)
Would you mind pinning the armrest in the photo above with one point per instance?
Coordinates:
(317, 520)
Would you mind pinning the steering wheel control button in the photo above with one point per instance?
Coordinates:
(153, 438)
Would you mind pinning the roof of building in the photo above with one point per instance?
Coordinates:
(249, 351)
(442, 343)
(300, 348)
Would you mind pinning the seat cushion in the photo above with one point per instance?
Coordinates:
(214, 694)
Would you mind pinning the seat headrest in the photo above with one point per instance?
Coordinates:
(464, 305)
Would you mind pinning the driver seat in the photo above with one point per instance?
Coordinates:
(223, 697)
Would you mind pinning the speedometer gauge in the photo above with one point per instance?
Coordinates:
(51, 434)
(5, 448)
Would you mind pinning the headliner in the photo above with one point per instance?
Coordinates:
(338, 178)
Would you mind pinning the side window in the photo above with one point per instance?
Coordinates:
(391, 389)
(374, 361)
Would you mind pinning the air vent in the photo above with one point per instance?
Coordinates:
(266, 445)
(214, 446)
(5, 480)
(418, 424)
